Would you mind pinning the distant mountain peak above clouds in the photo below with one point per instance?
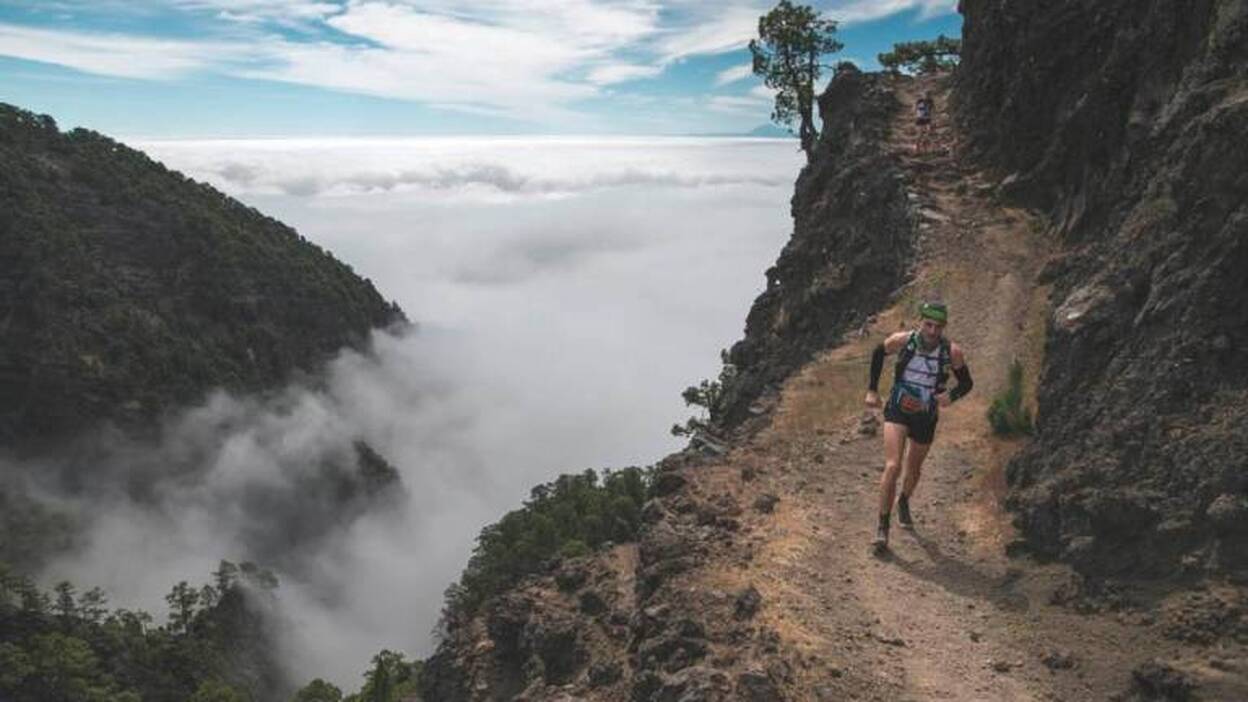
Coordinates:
(770, 130)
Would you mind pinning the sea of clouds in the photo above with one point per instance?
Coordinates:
(564, 290)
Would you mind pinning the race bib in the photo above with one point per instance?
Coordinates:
(910, 403)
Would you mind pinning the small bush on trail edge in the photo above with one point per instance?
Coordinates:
(1007, 414)
(709, 395)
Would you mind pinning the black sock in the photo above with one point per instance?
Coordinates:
(903, 498)
(884, 521)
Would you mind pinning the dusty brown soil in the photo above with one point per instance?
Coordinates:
(944, 614)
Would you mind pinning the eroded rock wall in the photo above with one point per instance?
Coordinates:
(851, 245)
(1127, 122)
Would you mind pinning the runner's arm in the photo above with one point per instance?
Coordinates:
(961, 371)
(889, 345)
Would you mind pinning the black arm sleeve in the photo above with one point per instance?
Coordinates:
(877, 367)
(965, 383)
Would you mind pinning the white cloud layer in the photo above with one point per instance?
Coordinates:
(481, 170)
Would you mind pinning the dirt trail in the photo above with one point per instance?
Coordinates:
(945, 615)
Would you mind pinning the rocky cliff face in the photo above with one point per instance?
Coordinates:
(127, 289)
(564, 632)
(1127, 122)
(850, 249)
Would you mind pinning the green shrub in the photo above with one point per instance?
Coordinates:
(574, 548)
(216, 691)
(567, 517)
(1007, 414)
(318, 691)
(709, 395)
(923, 57)
(391, 679)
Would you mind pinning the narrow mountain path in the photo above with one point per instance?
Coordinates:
(945, 614)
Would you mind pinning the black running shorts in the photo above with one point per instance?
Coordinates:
(922, 425)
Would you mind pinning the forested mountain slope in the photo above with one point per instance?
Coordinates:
(127, 289)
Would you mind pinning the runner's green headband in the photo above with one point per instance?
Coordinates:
(934, 310)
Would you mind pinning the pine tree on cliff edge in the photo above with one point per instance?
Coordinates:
(791, 38)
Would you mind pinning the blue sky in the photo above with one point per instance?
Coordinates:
(200, 68)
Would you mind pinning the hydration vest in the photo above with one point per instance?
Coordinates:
(903, 396)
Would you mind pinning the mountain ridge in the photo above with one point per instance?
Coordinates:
(130, 289)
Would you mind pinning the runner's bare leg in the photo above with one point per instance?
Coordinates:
(894, 442)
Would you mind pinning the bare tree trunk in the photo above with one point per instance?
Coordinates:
(806, 131)
(805, 105)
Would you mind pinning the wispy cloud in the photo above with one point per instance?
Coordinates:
(116, 54)
(527, 59)
(620, 72)
(734, 74)
(258, 10)
(868, 10)
(711, 30)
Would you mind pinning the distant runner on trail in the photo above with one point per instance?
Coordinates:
(923, 120)
(924, 357)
